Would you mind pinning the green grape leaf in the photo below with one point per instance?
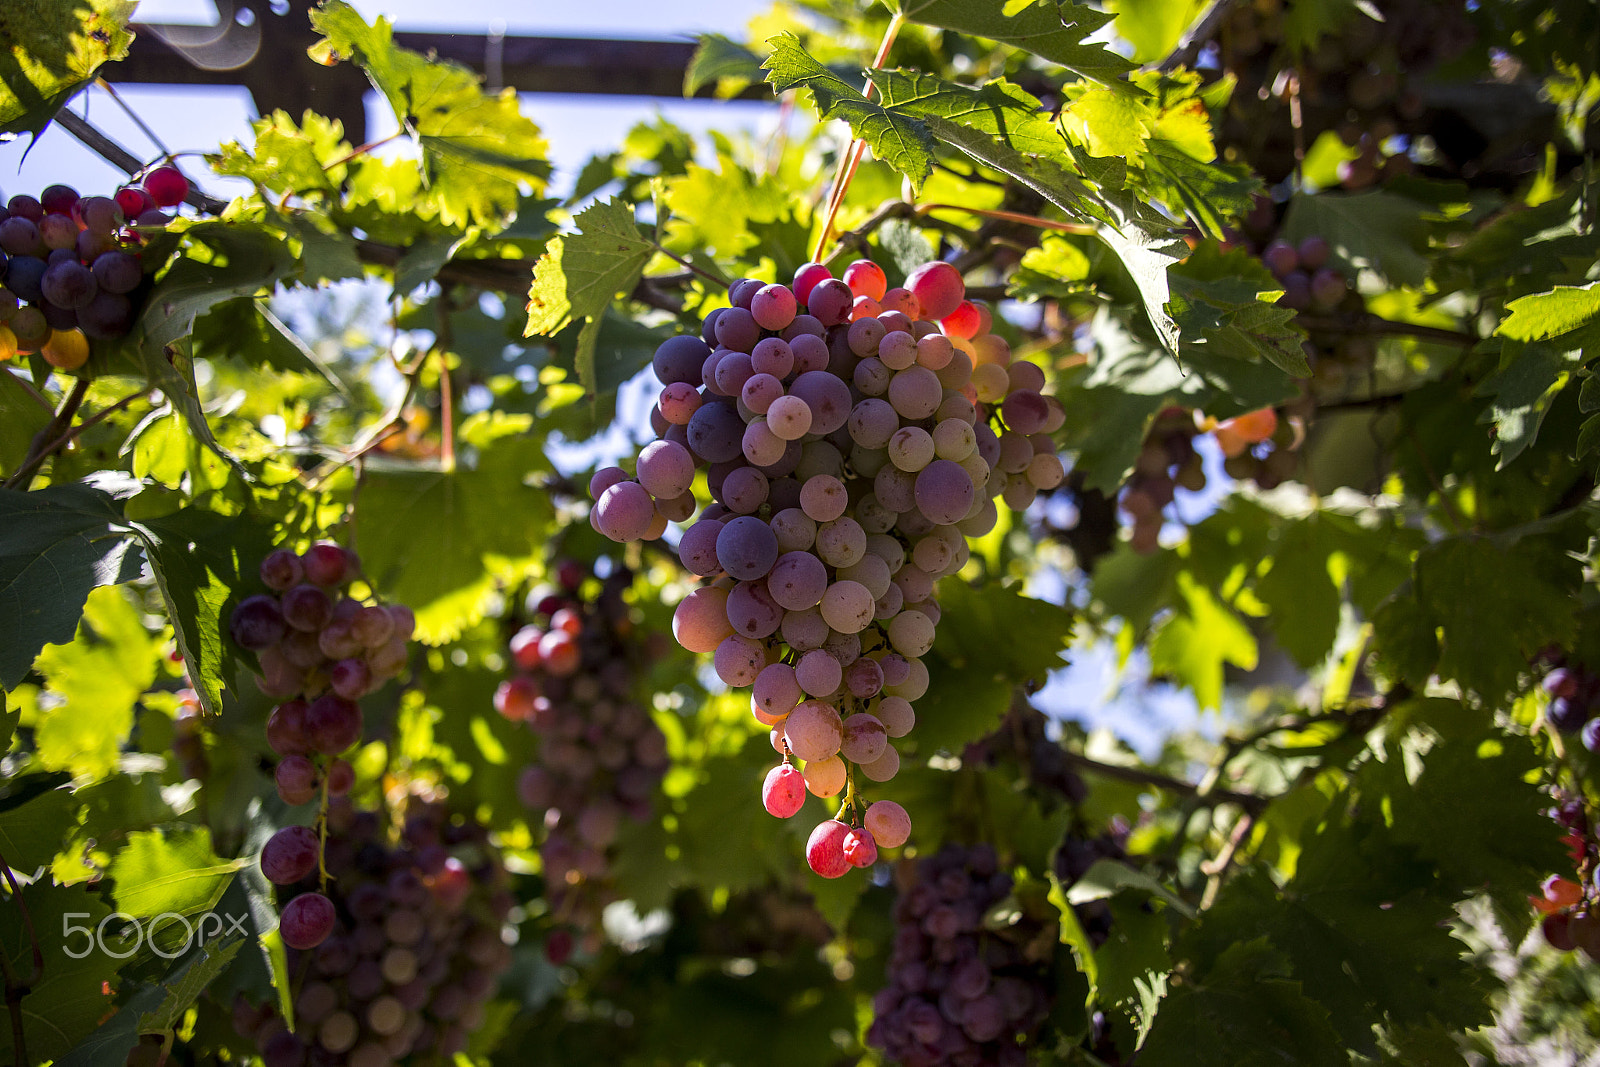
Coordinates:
(1131, 965)
(1210, 193)
(1153, 27)
(971, 677)
(1108, 123)
(445, 542)
(1051, 29)
(1247, 1011)
(56, 545)
(1376, 230)
(71, 996)
(50, 49)
(199, 560)
(1495, 605)
(580, 274)
(897, 140)
(728, 66)
(115, 1038)
(715, 211)
(478, 148)
(98, 678)
(1300, 589)
(288, 157)
(1193, 644)
(1542, 316)
(32, 833)
(25, 417)
(240, 260)
(245, 329)
(998, 108)
(1218, 300)
(184, 987)
(1523, 389)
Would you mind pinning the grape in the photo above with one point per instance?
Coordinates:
(333, 723)
(328, 564)
(885, 767)
(871, 377)
(842, 542)
(865, 278)
(738, 330)
(813, 730)
(826, 778)
(747, 548)
(624, 511)
(864, 738)
(830, 301)
(1280, 258)
(697, 549)
(864, 678)
(166, 186)
(823, 498)
(872, 423)
(798, 581)
(773, 307)
(944, 492)
(732, 371)
(715, 432)
(911, 448)
(776, 692)
(804, 630)
(19, 237)
(257, 623)
(859, 848)
(290, 855)
(789, 418)
(700, 622)
(286, 729)
(847, 607)
(678, 360)
(810, 354)
(938, 288)
(817, 673)
(307, 921)
(871, 571)
(24, 273)
(889, 823)
(108, 316)
(901, 301)
(133, 202)
(825, 849)
(806, 278)
(760, 391)
(739, 659)
(666, 469)
(915, 393)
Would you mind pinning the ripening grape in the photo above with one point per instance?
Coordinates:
(889, 823)
(813, 730)
(307, 921)
(825, 849)
(864, 739)
(290, 855)
(784, 791)
(826, 778)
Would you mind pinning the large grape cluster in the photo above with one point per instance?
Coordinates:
(415, 952)
(320, 651)
(70, 265)
(958, 993)
(601, 756)
(854, 436)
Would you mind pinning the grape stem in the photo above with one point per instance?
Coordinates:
(1083, 228)
(322, 834)
(852, 155)
(28, 469)
(16, 990)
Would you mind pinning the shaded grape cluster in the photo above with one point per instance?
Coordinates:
(320, 650)
(959, 993)
(415, 950)
(1570, 907)
(1574, 695)
(601, 755)
(71, 267)
(852, 436)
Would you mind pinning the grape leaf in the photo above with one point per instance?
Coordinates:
(72, 995)
(31, 833)
(1541, 316)
(1247, 1011)
(1220, 301)
(1376, 230)
(25, 417)
(288, 157)
(1193, 644)
(1131, 965)
(478, 148)
(970, 675)
(1051, 29)
(1108, 123)
(49, 49)
(56, 545)
(114, 1038)
(727, 65)
(185, 986)
(245, 328)
(580, 274)
(998, 108)
(1301, 593)
(903, 143)
(98, 677)
(1530, 377)
(1153, 27)
(442, 542)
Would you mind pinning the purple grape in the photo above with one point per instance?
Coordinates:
(333, 723)
(23, 275)
(716, 432)
(747, 548)
(118, 272)
(307, 921)
(736, 329)
(69, 285)
(307, 608)
(296, 779)
(257, 623)
(286, 729)
(281, 570)
(109, 315)
(20, 237)
(679, 358)
(290, 855)
(1568, 716)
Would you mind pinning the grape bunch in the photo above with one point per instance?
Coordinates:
(959, 993)
(1574, 701)
(1168, 461)
(1571, 907)
(853, 437)
(320, 651)
(415, 947)
(70, 265)
(601, 756)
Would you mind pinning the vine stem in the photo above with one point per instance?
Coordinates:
(358, 152)
(16, 990)
(27, 471)
(852, 156)
(1082, 228)
(41, 450)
